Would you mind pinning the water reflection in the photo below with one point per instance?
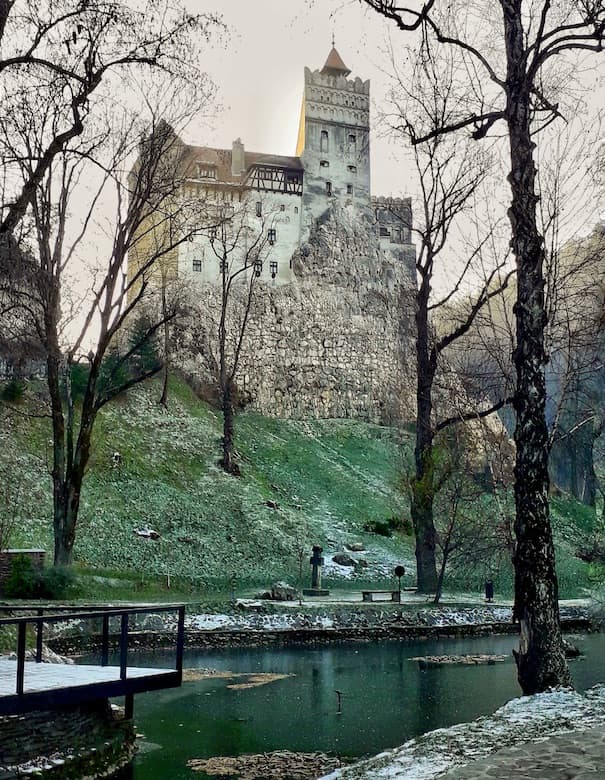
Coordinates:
(386, 699)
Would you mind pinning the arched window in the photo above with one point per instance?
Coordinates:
(324, 141)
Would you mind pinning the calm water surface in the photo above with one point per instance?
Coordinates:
(386, 700)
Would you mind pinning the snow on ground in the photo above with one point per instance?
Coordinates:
(333, 616)
(527, 719)
(255, 622)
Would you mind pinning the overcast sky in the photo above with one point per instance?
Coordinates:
(259, 73)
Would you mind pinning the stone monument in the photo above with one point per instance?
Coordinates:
(316, 561)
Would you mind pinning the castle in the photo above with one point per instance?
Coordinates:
(328, 335)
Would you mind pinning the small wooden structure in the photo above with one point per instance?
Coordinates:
(32, 685)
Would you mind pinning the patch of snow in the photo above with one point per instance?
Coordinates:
(256, 622)
(333, 569)
(527, 719)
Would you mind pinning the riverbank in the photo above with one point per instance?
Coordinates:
(549, 736)
(256, 624)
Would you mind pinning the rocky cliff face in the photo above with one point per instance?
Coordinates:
(336, 342)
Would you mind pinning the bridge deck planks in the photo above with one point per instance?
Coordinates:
(48, 686)
(44, 677)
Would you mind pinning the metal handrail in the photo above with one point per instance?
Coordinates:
(123, 613)
(88, 612)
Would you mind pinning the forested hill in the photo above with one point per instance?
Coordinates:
(332, 482)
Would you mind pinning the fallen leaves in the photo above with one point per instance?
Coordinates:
(252, 680)
(278, 765)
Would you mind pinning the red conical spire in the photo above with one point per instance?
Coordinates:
(334, 65)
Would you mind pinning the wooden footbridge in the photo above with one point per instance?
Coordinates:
(33, 685)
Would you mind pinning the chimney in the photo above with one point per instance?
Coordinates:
(238, 165)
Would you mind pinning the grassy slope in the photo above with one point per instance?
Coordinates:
(329, 478)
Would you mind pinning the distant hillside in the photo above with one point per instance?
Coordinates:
(312, 482)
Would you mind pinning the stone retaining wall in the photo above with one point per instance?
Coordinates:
(319, 636)
(71, 742)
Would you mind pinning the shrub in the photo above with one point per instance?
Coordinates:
(27, 582)
(384, 527)
(55, 582)
(22, 579)
(79, 380)
(13, 391)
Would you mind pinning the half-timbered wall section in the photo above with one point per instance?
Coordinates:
(246, 199)
(266, 178)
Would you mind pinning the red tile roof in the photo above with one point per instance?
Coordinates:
(221, 159)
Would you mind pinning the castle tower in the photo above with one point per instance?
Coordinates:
(334, 140)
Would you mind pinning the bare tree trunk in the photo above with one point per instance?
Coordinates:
(65, 517)
(165, 368)
(541, 658)
(228, 461)
(423, 485)
(440, 579)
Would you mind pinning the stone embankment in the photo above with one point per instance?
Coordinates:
(263, 625)
(89, 740)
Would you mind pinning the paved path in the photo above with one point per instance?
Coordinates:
(579, 755)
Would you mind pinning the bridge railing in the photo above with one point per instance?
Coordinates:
(92, 612)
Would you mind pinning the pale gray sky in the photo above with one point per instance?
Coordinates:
(259, 73)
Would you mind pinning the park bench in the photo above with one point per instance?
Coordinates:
(392, 595)
(368, 595)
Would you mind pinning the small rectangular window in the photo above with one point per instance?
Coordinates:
(352, 139)
(273, 268)
(324, 141)
(384, 232)
(271, 235)
(349, 189)
(282, 207)
(329, 188)
(205, 171)
(296, 209)
(258, 267)
(259, 208)
(196, 264)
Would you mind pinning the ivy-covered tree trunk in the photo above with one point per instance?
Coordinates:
(540, 658)
(423, 485)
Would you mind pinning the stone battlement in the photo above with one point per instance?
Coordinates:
(318, 78)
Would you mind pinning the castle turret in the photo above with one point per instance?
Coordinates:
(333, 139)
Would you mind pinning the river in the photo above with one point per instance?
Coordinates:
(385, 700)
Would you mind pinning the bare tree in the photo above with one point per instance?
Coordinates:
(149, 209)
(573, 269)
(510, 66)
(450, 175)
(465, 537)
(241, 246)
(78, 45)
